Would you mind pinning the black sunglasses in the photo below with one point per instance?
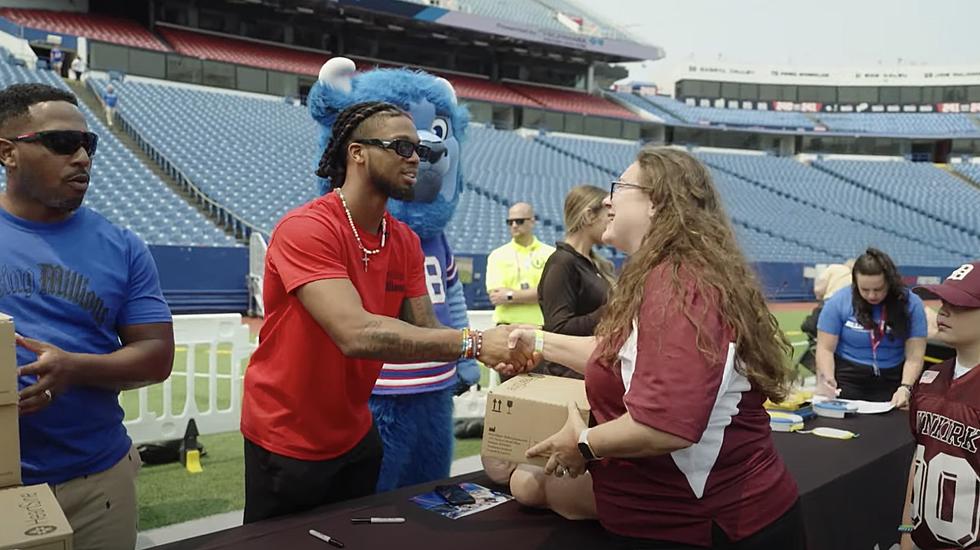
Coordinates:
(401, 147)
(518, 221)
(618, 183)
(63, 142)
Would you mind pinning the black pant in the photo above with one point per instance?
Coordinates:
(857, 381)
(786, 533)
(277, 485)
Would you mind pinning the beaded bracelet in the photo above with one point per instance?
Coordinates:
(477, 343)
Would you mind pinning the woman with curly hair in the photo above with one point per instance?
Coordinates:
(871, 335)
(678, 446)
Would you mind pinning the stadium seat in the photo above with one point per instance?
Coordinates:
(98, 27)
(124, 190)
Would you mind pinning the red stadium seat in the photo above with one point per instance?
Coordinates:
(243, 52)
(97, 27)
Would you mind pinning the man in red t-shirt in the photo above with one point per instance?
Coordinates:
(943, 507)
(344, 292)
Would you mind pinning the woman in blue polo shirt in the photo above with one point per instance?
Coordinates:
(871, 336)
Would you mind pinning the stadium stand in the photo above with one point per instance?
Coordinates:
(484, 90)
(730, 117)
(920, 185)
(243, 52)
(673, 111)
(855, 201)
(221, 154)
(970, 171)
(921, 124)
(782, 185)
(254, 156)
(642, 104)
(125, 191)
(267, 56)
(98, 27)
(572, 102)
(783, 210)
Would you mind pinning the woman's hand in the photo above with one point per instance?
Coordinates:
(520, 340)
(827, 386)
(561, 449)
(900, 399)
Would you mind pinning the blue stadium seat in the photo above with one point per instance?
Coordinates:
(124, 190)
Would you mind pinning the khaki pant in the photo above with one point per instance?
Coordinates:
(101, 508)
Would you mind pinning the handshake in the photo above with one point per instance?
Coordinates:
(509, 349)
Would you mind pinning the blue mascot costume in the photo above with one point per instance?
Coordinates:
(412, 404)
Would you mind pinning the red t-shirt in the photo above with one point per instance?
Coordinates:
(945, 418)
(303, 398)
(732, 475)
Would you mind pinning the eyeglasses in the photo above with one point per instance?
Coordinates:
(619, 184)
(401, 147)
(516, 221)
(63, 142)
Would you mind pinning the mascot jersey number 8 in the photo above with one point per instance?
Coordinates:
(412, 404)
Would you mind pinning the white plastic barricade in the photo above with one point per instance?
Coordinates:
(191, 331)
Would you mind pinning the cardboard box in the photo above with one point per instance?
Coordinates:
(8, 362)
(31, 519)
(10, 449)
(526, 410)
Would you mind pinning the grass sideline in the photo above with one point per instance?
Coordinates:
(168, 495)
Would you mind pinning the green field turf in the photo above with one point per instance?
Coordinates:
(168, 494)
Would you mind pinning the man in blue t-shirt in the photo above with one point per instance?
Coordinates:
(110, 98)
(89, 313)
(56, 59)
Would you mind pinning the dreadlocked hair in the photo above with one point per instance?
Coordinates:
(333, 163)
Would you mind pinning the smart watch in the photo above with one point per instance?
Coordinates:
(585, 448)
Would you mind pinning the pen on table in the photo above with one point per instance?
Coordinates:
(377, 520)
(326, 538)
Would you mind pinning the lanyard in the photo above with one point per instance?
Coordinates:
(530, 260)
(877, 335)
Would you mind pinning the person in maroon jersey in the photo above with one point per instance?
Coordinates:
(943, 507)
(679, 449)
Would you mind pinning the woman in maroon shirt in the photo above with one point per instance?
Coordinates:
(679, 452)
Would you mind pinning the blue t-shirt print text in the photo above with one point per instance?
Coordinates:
(53, 280)
(73, 284)
(854, 341)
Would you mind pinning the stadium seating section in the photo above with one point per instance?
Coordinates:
(242, 52)
(542, 13)
(279, 58)
(255, 157)
(783, 210)
(125, 191)
(672, 111)
(97, 27)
